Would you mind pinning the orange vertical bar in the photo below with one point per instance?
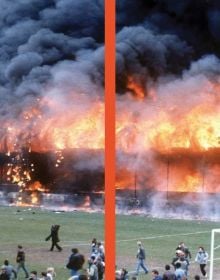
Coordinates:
(110, 139)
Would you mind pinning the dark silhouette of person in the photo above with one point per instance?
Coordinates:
(54, 237)
(3, 274)
(10, 270)
(20, 259)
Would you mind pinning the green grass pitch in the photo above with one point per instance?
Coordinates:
(29, 227)
(160, 237)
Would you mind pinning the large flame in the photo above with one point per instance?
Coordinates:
(197, 130)
(181, 138)
(181, 142)
(49, 126)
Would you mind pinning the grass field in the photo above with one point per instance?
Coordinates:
(29, 227)
(160, 237)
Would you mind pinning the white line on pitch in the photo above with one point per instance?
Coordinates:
(161, 236)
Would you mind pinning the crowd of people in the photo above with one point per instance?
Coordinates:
(96, 263)
(178, 269)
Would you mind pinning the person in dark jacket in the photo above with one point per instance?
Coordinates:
(156, 275)
(168, 274)
(124, 274)
(76, 261)
(176, 258)
(3, 274)
(33, 275)
(20, 259)
(10, 270)
(101, 268)
(54, 237)
(182, 247)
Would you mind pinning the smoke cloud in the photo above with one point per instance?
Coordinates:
(42, 39)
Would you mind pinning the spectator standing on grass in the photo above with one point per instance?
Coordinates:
(202, 259)
(20, 259)
(101, 251)
(3, 274)
(44, 276)
(182, 247)
(92, 270)
(101, 268)
(183, 262)
(51, 273)
(33, 275)
(54, 237)
(76, 261)
(124, 274)
(179, 272)
(156, 275)
(10, 270)
(176, 258)
(94, 247)
(141, 258)
(117, 273)
(168, 274)
(185, 252)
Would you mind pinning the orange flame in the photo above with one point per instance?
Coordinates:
(177, 133)
(190, 184)
(34, 198)
(151, 125)
(135, 88)
(64, 130)
(36, 186)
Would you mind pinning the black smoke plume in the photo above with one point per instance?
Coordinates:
(50, 50)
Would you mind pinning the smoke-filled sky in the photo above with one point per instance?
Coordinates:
(51, 63)
(161, 37)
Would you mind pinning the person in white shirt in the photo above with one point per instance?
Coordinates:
(51, 273)
(202, 259)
